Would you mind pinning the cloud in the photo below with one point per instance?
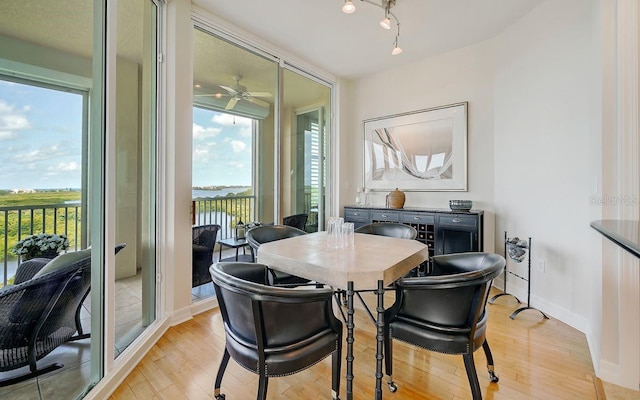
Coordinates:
(231, 120)
(42, 154)
(12, 120)
(67, 167)
(245, 132)
(236, 164)
(238, 146)
(200, 132)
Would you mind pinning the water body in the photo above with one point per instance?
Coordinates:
(217, 217)
(200, 193)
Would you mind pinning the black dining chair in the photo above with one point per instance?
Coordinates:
(390, 229)
(274, 331)
(445, 311)
(269, 233)
(297, 221)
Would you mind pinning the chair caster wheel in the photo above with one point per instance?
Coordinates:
(220, 397)
(493, 377)
(392, 387)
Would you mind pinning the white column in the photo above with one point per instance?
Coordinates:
(620, 350)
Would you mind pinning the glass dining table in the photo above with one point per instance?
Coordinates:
(370, 264)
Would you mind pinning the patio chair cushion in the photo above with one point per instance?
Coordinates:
(63, 260)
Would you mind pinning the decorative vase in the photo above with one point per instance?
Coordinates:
(396, 199)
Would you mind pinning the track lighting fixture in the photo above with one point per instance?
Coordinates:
(386, 5)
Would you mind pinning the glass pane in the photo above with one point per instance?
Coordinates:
(233, 148)
(135, 176)
(303, 155)
(46, 56)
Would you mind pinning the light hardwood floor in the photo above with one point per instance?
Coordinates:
(535, 359)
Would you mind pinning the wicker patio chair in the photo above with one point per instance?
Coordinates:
(204, 241)
(40, 314)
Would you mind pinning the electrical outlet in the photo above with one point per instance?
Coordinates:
(540, 264)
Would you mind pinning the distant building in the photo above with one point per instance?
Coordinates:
(16, 191)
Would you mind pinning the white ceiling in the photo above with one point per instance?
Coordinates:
(316, 31)
(354, 45)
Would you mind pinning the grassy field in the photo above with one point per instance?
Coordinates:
(9, 221)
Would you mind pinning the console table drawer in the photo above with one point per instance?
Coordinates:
(356, 215)
(418, 219)
(458, 220)
(386, 216)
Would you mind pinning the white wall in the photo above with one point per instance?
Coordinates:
(462, 75)
(533, 115)
(545, 87)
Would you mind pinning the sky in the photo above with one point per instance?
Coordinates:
(41, 141)
(40, 137)
(221, 149)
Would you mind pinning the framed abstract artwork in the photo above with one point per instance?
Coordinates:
(423, 150)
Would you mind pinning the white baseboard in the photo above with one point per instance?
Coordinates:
(179, 316)
(609, 372)
(560, 313)
(204, 305)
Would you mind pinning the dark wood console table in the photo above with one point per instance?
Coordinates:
(443, 231)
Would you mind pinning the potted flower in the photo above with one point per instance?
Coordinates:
(44, 245)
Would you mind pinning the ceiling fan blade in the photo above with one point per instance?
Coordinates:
(259, 94)
(217, 95)
(258, 102)
(232, 103)
(229, 89)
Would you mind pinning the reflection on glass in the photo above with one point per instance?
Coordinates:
(135, 170)
(303, 155)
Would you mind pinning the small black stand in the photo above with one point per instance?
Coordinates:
(528, 279)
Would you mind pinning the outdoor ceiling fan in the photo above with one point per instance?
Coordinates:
(239, 92)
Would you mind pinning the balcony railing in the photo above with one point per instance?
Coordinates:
(224, 211)
(17, 222)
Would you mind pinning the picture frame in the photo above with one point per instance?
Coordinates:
(424, 150)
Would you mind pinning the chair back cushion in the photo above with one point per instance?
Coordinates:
(63, 261)
(390, 229)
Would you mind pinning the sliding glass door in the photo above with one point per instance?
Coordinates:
(78, 137)
(234, 125)
(304, 144)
